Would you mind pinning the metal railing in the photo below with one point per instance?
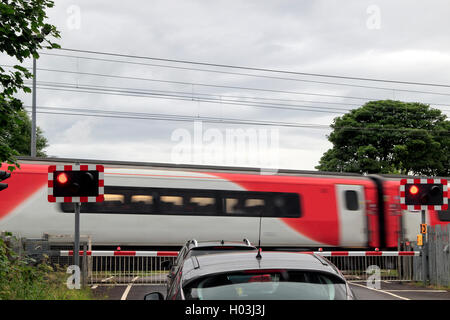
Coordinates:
(120, 267)
(386, 268)
(145, 267)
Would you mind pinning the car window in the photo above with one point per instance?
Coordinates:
(270, 285)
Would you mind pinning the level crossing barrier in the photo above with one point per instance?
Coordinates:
(145, 267)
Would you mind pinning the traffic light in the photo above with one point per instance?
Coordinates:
(75, 183)
(424, 194)
(3, 176)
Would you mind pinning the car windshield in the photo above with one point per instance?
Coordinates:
(267, 285)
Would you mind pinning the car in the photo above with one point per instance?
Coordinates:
(196, 248)
(257, 276)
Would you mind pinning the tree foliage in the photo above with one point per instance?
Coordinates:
(390, 137)
(18, 135)
(23, 31)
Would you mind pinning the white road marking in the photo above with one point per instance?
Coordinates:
(379, 290)
(127, 290)
(407, 290)
(106, 279)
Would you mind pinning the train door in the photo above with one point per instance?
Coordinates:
(352, 216)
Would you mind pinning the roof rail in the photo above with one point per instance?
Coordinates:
(247, 242)
(321, 259)
(195, 262)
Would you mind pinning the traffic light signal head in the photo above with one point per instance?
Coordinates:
(3, 176)
(75, 183)
(424, 194)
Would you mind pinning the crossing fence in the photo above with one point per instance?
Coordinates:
(374, 265)
(438, 242)
(146, 267)
(120, 267)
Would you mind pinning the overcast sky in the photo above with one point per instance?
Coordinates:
(398, 40)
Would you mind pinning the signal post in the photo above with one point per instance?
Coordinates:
(76, 184)
(423, 194)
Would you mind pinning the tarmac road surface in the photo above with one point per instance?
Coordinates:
(387, 291)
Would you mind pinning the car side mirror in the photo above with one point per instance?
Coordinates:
(166, 264)
(154, 296)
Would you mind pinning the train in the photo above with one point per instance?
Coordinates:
(163, 205)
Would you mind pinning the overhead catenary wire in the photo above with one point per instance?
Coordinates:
(230, 87)
(176, 117)
(279, 78)
(185, 96)
(254, 68)
(213, 86)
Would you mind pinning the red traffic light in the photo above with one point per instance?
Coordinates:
(62, 178)
(413, 190)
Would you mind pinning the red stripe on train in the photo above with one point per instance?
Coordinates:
(21, 186)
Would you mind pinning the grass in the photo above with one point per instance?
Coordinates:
(22, 279)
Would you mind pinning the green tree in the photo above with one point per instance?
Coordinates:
(19, 136)
(390, 137)
(23, 31)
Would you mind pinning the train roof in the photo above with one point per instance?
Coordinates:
(211, 168)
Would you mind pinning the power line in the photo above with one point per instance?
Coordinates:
(190, 84)
(255, 69)
(114, 91)
(212, 85)
(174, 117)
(228, 87)
(187, 97)
(262, 76)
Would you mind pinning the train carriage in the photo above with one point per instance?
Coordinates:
(164, 205)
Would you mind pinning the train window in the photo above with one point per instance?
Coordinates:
(114, 198)
(171, 204)
(444, 215)
(206, 205)
(231, 205)
(243, 206)
(351, 200)
(170, 201)
(142, 198)
(178, 201)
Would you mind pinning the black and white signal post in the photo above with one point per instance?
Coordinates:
(423, 194)
(76, 184)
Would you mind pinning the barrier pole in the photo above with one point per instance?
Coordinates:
(76, 246)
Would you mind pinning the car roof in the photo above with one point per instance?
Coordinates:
(236, 261)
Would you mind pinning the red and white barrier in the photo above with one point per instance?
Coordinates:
(368, 253)
(67, 253)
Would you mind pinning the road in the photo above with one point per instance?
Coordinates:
(397, 291)
(387, 291)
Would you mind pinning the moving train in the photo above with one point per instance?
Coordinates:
(165, 205)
